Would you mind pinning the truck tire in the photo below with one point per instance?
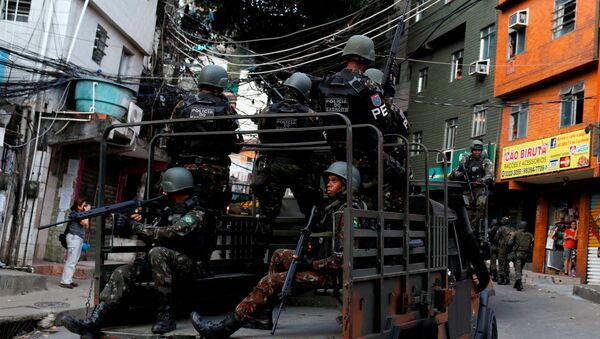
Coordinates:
(492, 325)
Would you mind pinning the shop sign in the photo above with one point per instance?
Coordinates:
(557, 153)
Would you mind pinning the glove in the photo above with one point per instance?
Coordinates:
(305, 263)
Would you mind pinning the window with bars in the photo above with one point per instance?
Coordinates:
(571, 107)
(423, 75)
(487, 43)
(563, 17)
(100, 44)
(16, 10)
(417, 137)
(518, 121)
(479, 118)
(457, 66)
(450, 133)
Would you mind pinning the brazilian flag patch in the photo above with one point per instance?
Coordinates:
(189, 220)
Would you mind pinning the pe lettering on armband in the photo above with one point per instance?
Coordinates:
(382, 110)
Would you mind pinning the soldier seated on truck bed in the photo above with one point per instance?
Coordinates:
(174, 259)
(320, 267)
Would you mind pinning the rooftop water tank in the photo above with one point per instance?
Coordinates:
(109, 98)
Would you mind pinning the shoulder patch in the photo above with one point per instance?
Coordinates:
(376, 100)
(189, 220)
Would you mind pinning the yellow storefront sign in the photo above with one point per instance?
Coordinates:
(557, 153)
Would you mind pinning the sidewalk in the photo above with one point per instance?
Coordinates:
(563, 284)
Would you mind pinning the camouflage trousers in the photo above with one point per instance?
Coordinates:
(476, 207)
(519, 263)
(164, 266)
(503, 267)
(493, 257)
(211, 177)
(265, 292)
(274, 175)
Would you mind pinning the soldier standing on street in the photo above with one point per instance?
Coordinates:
(322, 266)
(352, 93)
(174, 259)
(493, 249)
(479, 170)
(278, 170)
(502, 238)
(521, 242)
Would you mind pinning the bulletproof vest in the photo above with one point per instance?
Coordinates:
(203, 106)
(504, 235)
(474, 167)
(287, 106)
(192, 243)
(346, 92)
(523, 241)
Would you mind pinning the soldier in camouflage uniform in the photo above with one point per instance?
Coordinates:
(278, 170)
(479, 170)
(207, 157)
(521, 242)
(353, 94)
(502, 238)
(174, 259)
(493, 249)
(322, 266)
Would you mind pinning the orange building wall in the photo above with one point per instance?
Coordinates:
(543, 57)
(544, 119)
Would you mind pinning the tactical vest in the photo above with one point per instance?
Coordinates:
(191, 244)
(204, 106)
(346, 92)
(474, 167)
(523, 241)
(287, 106)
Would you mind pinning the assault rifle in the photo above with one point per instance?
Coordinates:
(466, 175)
(390, 60)
(298, 253)
(124, 206)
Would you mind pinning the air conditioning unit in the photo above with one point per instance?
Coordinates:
(480, 68)
(447, 157)
(518, 19)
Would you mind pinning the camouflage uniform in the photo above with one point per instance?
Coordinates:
(493, 251)
(175, 255)
(481, 173)
(502, 238)
(326, 270)
(521, 241)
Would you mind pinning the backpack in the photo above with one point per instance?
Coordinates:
(63, 237)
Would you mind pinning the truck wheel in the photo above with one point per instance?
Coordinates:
(492, 326)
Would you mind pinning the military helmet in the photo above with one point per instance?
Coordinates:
(477, 145)
(213, 75)
(375, 75)
(494, 222)
(504, 221)
(340, 169)
(523, 225)
(361, 46)
(176, 179)
(300, 82)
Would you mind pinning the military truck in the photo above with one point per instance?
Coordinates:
(414, 273)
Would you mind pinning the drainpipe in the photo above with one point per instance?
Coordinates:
(77, 30)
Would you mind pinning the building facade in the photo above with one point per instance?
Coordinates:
(547, 78)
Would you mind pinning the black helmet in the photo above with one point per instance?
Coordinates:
(176, 179)
(494, 222)
(340, 169)
(505, 221)
(300, 82)
(213, 75)
(523, 225)
(361, 46)
(477, 145)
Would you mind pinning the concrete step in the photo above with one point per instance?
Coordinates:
(588, 292)
(534, 278)
(82, 270)
(14, 282)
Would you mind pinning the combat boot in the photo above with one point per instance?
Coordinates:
(503, 280)
(518, 285)
(90, 327)
(165, 320)
(211, 330)
(262, 321)
(494, 275)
